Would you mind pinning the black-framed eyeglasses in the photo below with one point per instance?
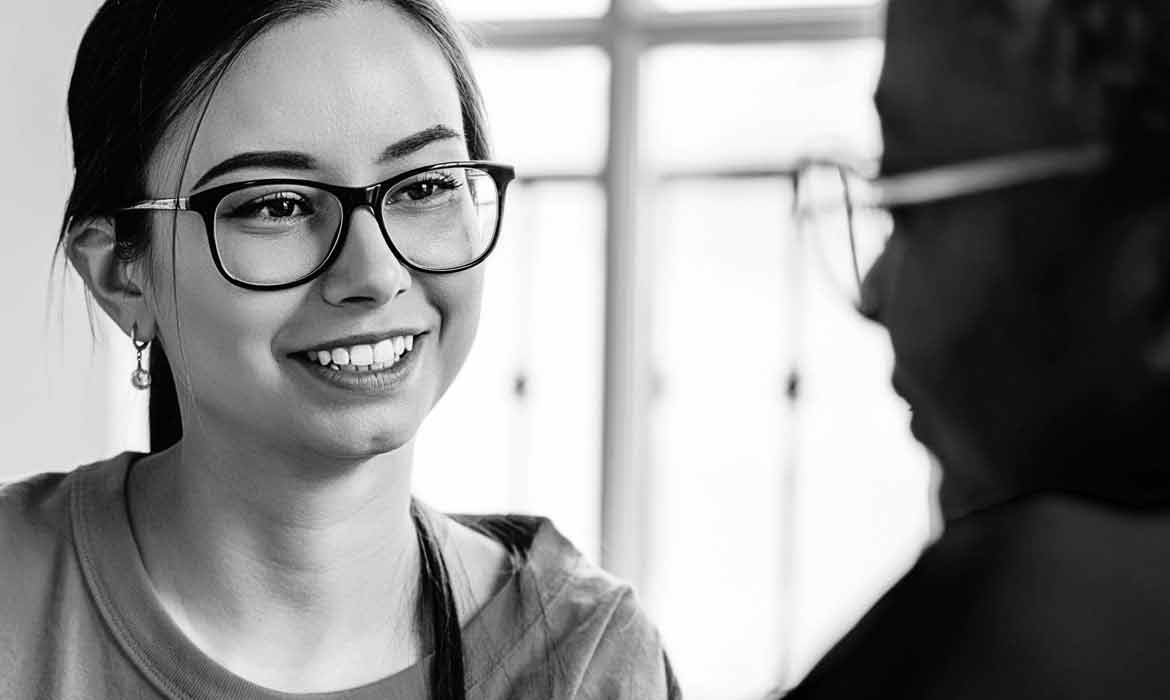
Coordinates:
(278, 233)
(848, 216)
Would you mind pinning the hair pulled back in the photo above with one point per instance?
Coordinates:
(144, 63)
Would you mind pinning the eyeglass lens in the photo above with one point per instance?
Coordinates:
(848, 234)
(273, 234)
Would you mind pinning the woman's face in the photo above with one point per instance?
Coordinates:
(326, 98)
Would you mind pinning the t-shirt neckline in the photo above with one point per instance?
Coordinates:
(122, 591)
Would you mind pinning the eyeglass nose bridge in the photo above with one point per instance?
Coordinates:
(353, 198)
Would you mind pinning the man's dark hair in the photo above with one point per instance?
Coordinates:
(1116, 51)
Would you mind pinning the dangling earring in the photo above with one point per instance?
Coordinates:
(139, 378)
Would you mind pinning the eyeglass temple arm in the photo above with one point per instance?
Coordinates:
(984, 175)
(180, 203)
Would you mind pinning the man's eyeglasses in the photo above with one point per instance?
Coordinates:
(849, 218)
(278, 233)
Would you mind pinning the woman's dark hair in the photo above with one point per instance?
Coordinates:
(144, 63)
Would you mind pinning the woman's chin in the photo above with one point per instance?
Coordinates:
(359, 447)
(353, 444)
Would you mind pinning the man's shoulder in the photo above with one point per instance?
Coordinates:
(1016, 600)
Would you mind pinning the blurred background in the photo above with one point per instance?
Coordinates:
(663, 368)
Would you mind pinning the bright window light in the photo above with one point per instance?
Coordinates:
(761, 104)
(773, 511)
(719, 434)
(525, 9)
(691, 5)
(518, 430)
(547, 108)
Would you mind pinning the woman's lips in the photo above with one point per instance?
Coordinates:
(364, 357)
(365, 375)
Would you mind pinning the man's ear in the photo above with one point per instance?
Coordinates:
(116, 285)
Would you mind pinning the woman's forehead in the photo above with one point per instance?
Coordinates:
(338, 86)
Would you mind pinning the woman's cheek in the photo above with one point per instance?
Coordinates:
(458, 299)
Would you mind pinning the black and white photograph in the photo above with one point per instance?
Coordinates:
(585, 350)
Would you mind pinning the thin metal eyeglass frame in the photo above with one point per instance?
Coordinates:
(205, 203)
(959, 180)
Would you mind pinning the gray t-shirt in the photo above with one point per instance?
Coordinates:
(79, 618)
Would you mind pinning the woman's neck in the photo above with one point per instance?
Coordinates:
(270, 566)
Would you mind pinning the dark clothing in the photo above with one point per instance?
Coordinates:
(79, 619)
(1046, 596)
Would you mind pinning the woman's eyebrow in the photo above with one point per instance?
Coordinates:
(285, 160)
(294, 160)
(416, 141)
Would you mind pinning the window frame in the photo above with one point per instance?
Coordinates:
(625, 34)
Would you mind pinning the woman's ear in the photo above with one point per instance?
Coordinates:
(117, 285)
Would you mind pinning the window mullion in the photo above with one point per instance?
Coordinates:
(625, 424)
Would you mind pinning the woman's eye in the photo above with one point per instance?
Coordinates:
(425, 191)
(421, 190)
(277, 206)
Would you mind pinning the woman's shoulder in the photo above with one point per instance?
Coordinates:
(36, 513)
(587, 621)
(33, 511)
(559, 573)
(589, 607)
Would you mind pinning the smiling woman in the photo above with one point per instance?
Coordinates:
(290, 202)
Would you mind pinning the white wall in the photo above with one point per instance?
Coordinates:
(66, 397)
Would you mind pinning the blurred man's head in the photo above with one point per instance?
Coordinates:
(1031, 324)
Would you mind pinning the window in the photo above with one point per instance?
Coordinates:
(644, 316)
(525, 9)
(649, 311)
(519, 430)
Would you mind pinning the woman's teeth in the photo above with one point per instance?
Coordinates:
(364, 358)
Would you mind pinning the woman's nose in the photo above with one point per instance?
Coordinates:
(365, 271)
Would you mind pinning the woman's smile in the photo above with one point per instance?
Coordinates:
(371, 368)
(372, 338)
(303, 255)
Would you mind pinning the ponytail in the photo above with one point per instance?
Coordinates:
(165, 425)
